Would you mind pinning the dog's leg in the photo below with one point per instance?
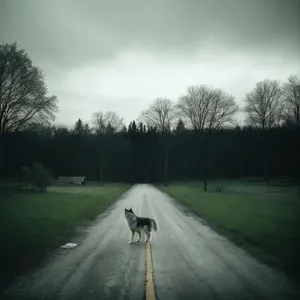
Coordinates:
(147, 233)
(139, 233)
(132, 235)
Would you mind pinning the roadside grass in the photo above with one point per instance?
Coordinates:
(33, 223)
(265, 220)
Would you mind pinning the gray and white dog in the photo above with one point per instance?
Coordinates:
(137, 224)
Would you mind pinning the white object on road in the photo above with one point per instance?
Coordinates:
(69, 245)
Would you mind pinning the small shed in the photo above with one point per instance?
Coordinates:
(78, 180)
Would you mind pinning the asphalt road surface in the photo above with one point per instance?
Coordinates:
(189, 261)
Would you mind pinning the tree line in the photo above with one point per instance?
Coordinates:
(195, 137)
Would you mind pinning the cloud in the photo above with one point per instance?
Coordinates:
(136, 78)
(75, 32)
(120, 55)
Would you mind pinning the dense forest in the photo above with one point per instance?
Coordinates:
(195, 138)
(141, 155)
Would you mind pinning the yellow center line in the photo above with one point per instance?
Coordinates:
(150, 295)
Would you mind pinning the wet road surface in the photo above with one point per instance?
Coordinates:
(190, 261)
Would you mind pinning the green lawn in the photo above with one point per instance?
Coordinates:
(33, 223)
(264, 220)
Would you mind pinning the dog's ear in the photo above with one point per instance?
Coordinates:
(131, 210)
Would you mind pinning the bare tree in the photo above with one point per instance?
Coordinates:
(264, 106)
(265, 109)
(108, 122)
(23, 92)
(291, 96)
(161, 114)
(105, 124)
(205, 108)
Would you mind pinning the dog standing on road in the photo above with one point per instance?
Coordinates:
(137, 224)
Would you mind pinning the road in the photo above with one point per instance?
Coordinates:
(189, 261)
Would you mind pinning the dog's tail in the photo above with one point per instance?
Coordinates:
(153, 225)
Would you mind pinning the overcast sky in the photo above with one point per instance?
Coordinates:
(120, 55)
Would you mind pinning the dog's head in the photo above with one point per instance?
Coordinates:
(129, 213)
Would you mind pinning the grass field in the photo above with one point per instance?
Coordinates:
(265, 220)
(33, 223)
